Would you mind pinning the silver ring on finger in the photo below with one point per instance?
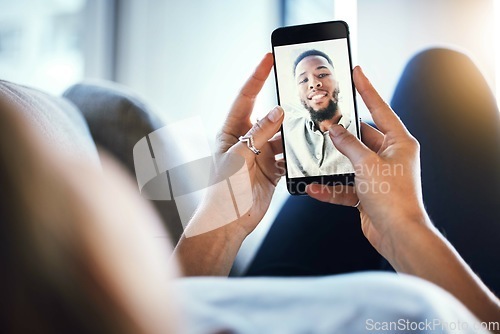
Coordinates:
(356, 205)
(248, 139)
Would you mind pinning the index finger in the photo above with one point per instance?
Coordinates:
(383, 116)
(242, 106)
(254, 84)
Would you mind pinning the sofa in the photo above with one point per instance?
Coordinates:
(90, 116)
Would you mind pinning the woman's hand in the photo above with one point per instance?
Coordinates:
(243, 184)
(387, 169)
(263, 169)
(393, 217)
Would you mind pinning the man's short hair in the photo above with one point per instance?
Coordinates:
(309, 53)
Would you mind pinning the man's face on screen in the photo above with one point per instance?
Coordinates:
(317, 85)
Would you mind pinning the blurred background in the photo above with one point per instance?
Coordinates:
(189, 58)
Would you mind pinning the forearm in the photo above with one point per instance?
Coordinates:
(422, 251)
(211, 253)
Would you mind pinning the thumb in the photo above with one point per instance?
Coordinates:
(348, 144)
(267, 127)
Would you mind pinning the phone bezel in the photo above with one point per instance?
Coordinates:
(304, 34)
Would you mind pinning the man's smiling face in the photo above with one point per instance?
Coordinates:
(316, 83)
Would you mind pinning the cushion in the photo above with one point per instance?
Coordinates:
(118, 119)
(60, 122)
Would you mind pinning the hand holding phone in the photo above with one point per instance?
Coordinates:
(314, 82)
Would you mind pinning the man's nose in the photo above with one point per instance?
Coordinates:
(315, 84)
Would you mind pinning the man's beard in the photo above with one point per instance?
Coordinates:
(318, 116)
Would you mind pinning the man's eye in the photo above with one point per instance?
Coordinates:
(303, 81)
(322, 75)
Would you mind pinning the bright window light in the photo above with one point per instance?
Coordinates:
(496, 8)
(40, 43)
(348, 11)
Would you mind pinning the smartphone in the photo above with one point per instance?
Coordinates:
(313, 71)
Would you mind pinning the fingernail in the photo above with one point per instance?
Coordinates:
(336, 130)
(275, 114)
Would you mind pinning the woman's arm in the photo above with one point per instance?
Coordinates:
(393, 217)
(422, 251)
(245, 184)
(211, 253)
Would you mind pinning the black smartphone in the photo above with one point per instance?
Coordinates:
(313, 70)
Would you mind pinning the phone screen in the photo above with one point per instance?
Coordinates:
(315, 90)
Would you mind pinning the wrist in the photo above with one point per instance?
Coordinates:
(211, 218)
(208, 220)
(403, 233)
(211, 252)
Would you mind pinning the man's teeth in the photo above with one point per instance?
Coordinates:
(318, 96)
